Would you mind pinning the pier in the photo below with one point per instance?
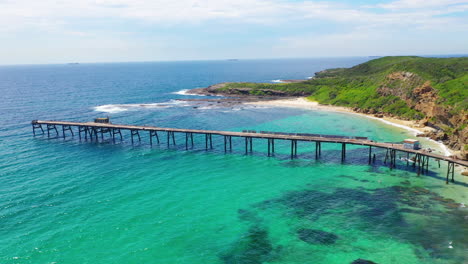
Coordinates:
(93, 130)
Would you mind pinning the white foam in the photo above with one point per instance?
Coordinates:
(117, 108)
(186, 92)
(277, 81)
(444, 148)
(208, 107)
(415, 131)
(110, 109)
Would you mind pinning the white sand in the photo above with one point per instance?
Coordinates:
(303, 103)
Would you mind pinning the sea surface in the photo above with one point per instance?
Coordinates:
(72, 201)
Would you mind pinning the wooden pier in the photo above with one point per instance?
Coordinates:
(95, 130)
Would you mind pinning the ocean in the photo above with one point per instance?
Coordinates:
(72, 201)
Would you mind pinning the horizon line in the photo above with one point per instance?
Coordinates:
(453, 55)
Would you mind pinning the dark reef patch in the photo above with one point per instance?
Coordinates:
(363, 261)
(248, 216)
(252, 248)
(313, 236)
(383, 211)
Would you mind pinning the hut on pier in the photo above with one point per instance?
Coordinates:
(411, 144)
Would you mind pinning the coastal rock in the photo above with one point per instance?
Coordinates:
(419, 94)
(464, 173)
(461, 155)
(313, 236)
(424, 98)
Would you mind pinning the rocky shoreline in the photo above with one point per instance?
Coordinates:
(235, 96)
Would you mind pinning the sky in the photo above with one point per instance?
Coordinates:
(61, 31)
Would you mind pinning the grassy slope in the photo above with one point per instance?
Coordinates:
(357, 86)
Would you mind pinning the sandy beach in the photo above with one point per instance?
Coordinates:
(304, 103)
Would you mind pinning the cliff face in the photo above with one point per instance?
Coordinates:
(431, 90)
(421, 96)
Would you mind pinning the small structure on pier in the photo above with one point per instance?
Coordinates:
(102, 120)
(411, 144)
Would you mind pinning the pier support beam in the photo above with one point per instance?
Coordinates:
(116, 131)
(318, 149)
(67, 128)
(135, 133)
(86, 130)
(170, 134)
(188, 135)
(392, 158)
(36, 126)
(92, 133)
(208, 139)
(417, 163)
(271, 147)
(427, 164)
(343, 152)
(227, 142)
(51, 127)
(293, 148)
(104, 130)
(152, 134)
(370, 155)
(450, 170)
(248, 143)
(80, 129)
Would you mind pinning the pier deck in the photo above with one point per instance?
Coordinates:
(421, 157)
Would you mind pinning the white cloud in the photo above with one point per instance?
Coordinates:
(92, 23)
(369, 42)
(50, 14)
(421, 4)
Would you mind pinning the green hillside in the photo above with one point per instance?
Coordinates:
(434, 90)
(358, 86)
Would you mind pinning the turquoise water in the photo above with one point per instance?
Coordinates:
(66, 201)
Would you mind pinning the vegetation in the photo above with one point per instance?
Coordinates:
(370, 86)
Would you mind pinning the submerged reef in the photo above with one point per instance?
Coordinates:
(410, 215)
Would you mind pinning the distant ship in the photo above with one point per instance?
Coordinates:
(233, 59)
(73, 63)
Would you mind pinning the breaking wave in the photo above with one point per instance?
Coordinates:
(186, 92)
(277, 81)
(117, 108)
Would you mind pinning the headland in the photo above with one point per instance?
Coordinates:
(427, 95)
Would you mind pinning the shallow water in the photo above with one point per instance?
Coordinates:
(66, 201)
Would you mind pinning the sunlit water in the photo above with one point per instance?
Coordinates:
(72, 201)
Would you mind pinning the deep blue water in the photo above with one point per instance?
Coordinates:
(66, 201)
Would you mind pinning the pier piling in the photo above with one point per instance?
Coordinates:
(51, 127)
(343, 152)
(450, 171)
(36, 126)
(170, 135)
(91, 129)
(370, 155)
(293, 148)
(135, 133)
(208, 140)
(248, 145)
(188, 135)
(318, 149)
(227, 142)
